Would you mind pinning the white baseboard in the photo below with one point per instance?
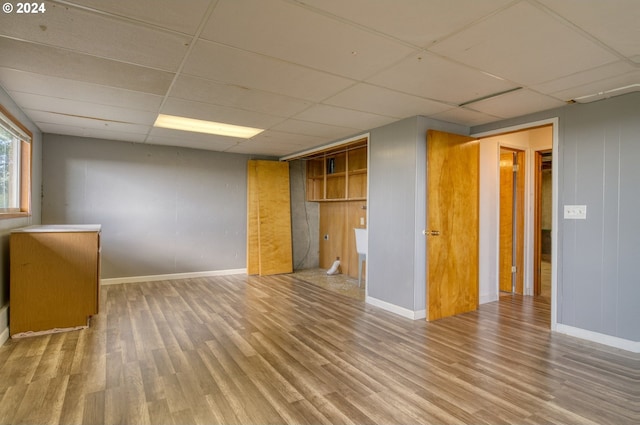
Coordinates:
(154, 278)
(4, 324)
(488, 298)
(401, 311)
(609, 340)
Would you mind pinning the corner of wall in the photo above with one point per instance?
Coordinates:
(4, 324)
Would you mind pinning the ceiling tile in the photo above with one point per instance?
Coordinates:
(333, 115)
(314, 129)
(602, 89)
(94, 133)
(525, 45)
(61, 63)
(256, 147)
(223, 114)
(465, 116)
(62, 88)
(287, 31)
(382, 101)
(559, 86)
(417, 22)
(432, 77)
(521, 102)
(616, 24)
(235, 96)
(295, 142)
(168, 137)
(43, 117)
(34, 102)
(172, 14)
(86, 32)
(233, 66)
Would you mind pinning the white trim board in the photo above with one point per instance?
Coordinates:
(155, 278)
(401, 311)
(611, 341)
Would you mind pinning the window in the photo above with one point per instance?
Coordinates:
(15, 167)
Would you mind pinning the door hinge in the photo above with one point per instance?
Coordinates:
(516, 168)
(514, 269)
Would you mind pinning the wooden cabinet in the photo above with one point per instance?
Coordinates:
(54, 277)
(338, 174)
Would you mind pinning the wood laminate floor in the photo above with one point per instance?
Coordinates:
(252, 350)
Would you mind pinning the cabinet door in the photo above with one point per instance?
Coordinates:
(269, 248)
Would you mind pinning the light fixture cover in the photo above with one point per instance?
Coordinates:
(607, 93)
(209, 127)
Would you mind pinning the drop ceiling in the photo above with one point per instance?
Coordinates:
(309, 72)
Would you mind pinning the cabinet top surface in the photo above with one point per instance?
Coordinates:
(51, 228)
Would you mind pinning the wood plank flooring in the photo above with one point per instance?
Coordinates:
(276, 350)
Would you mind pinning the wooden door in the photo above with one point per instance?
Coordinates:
(506, 222)
(269, 249)
(512, 185)
(452, 224)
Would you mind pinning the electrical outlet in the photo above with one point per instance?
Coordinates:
(575, 212)
(361, 221)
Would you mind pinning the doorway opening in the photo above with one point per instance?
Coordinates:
(543, 224)
(512, 224)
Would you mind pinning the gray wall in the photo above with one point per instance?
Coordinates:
(597, 164)
(397, 211)
(6, 225)
(163, 210)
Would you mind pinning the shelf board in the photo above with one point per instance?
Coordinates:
(358, 171)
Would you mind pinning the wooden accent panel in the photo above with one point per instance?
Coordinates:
(236, 349)
(253, 224)
(507, 236)
(54, 279)
(269, 218)
(506, 222)
(332, 225)
(337, 220)
(452, 210)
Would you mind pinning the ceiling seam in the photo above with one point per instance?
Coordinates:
(194, 39)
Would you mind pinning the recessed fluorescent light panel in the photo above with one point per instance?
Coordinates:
(209, 127)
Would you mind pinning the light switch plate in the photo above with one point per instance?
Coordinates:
(575, 212)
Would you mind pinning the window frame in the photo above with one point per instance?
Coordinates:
(26, 140)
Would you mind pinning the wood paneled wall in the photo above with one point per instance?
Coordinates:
(337, 237)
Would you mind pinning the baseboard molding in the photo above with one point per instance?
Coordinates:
(401, 311)
(4, 324)
(612, 341)
(154, 278)
(488, 298)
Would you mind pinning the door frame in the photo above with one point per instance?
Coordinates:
(529, 218)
